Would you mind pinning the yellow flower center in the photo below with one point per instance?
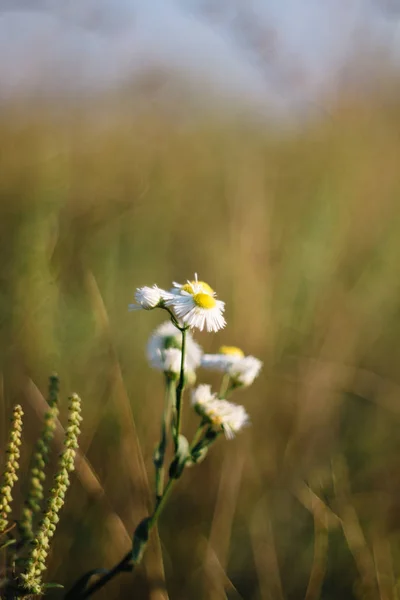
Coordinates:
(204, 286)
(204, 300)
(215, 418)
(231, 351)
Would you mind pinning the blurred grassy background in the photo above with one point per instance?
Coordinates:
(299, 232)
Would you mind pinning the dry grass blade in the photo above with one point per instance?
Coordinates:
(218, 545)
(313, 503)
(384, 567)
(265, 557)
(352, 529)
(318, 570)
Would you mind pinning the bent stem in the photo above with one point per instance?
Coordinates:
(128, 563)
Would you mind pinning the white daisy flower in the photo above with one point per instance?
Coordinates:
(196, 306)
(172, 358)
(202, 394)
(192, 287)
(244, 371)
(167, 337)
(221, 414)
(221, 361)
(148, 298)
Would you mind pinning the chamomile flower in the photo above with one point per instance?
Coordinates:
(167, 337)
(244, 371)
(221, 414)
(194, 304)
(192, 287)
(171, 361)
(221, 361)
(201, 396)
(148, 298)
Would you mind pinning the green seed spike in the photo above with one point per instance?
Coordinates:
(33, 502)
(11, 467)
(31, 579)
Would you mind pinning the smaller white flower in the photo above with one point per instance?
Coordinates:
(202, 394)
(221, 414)
(221, 361)
(168, 337)
(244, 371)
(148, 298)
(172, 358)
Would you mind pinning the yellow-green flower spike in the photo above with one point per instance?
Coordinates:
(11, 467)
(35, 495)
(31, 579)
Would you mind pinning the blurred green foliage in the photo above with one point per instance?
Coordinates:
(299, 232)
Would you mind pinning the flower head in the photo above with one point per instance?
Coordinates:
(170, 361)
(167, 338)
(192, 287)
(231, 352)
(148, 298)
(221, 361)
(194, 303)
(221, 414)
(202, 395)
(244, 371)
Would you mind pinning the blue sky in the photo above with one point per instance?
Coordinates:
(256, 52)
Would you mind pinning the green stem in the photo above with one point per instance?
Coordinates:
(125, 563)
(173, 318)
(158, 509)
(225, 387)
(179, 389)
(197, 436)
(159, 458)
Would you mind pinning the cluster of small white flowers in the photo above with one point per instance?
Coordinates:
(193, 305)
(221, 414)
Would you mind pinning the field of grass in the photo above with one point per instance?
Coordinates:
(299, 232)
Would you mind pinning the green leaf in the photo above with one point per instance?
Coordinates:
(140, 539)
(198, 455)
(53, 585)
